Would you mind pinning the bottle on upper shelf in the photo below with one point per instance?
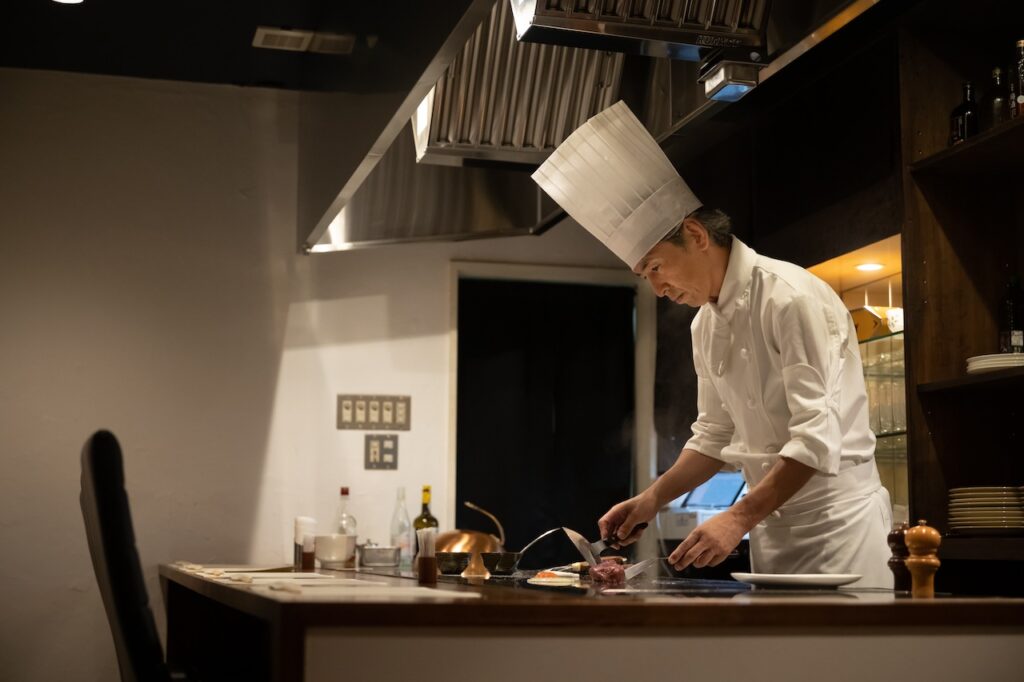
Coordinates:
(1011, 319)
(1017, 83)
(995, 109)
(963, 120)
(346, 522)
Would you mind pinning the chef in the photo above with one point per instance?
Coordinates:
(780, 388)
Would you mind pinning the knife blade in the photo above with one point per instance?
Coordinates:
(606, 543)
(582, 545)
(642, 567)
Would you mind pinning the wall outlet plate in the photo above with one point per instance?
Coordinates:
(374, 412)
(381, 451)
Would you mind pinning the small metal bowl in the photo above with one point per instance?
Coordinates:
(379, 556)
(452, 563)
(500, 563)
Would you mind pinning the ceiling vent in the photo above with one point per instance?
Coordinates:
(333, 43)
(271, 38)
(511, 102)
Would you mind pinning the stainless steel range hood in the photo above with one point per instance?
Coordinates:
(502, 100)
(402, 200)
(676, 29)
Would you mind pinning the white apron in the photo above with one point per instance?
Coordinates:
(779, 375)
(842, 532)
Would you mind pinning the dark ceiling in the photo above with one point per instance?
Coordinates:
(211, 41)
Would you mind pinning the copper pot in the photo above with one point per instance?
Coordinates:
(473, 541)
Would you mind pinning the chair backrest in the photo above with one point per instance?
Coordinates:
(108, 527)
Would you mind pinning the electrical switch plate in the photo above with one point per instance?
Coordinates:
(374, 412)
(381, 451)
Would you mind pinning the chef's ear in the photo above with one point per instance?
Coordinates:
(696, 233)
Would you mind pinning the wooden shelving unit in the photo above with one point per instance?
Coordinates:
(986, 381)
(963, 236)
(995, 151)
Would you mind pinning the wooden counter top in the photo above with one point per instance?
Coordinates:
(512, 607)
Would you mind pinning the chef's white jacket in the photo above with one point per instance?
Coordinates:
(779, 375)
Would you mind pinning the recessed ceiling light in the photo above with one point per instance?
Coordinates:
(69, 2)
(869, 267)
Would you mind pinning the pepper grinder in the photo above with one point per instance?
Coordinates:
(923, 542)
(897, 562)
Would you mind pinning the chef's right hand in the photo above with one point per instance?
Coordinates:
(621, 520)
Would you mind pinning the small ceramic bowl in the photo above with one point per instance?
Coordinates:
(500, 563)
(452, 563)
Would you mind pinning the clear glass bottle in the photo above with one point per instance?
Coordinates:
(346, 522)
(401, 529)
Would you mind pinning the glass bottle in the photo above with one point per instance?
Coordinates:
(401, 529)
(963, 121)
(995, 110)
(425, 519)
(1011, 319)
(346, 522)
(1018, 88)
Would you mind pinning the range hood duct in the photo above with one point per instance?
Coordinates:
(689, 30)
(511, 102)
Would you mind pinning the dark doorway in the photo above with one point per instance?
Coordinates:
(545, 408)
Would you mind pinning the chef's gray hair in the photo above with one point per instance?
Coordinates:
(715, 221)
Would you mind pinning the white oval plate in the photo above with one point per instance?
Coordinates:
(987, 515)
(986, 524)
(555, 582)
(985, 506)
(997, 357)
(989, 489)
(986, 497)
(796, 579)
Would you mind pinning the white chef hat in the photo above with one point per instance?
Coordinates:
(611, 176)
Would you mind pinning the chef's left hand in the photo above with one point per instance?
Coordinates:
(710, 542)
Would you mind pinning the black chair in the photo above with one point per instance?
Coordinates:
(108, 527)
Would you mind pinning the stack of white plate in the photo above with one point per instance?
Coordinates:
(990, 363)
(987, 511)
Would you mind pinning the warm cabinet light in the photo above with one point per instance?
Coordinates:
(869, 267)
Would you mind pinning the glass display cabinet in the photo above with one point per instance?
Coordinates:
(884, 378)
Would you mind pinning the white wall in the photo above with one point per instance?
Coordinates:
(148, 284)
(375, 321)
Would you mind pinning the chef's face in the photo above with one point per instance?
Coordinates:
(683, 271)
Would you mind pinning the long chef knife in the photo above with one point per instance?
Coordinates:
(582, 545)
(642, 567)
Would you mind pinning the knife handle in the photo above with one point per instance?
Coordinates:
(612, 539)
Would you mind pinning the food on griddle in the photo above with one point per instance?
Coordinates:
(608, 571)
